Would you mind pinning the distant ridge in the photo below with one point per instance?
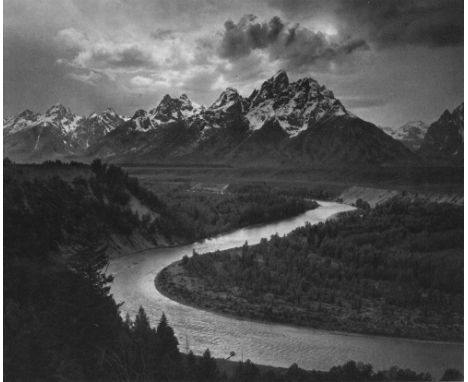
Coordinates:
(282, 122)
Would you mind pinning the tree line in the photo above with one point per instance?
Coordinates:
(204, 214)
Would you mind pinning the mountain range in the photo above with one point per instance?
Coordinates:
(282, 122)
(56, 134)
(411, 134)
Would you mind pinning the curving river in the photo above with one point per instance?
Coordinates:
(265, 343)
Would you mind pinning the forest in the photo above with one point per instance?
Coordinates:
(203, 214)
(395, 270)
(60, 321)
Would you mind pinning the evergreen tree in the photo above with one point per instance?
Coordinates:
(191, 366)
(167, 351)
(246, 371)
(208, 370)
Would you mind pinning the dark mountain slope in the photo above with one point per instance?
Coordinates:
(444, 138)
(348, 140)
(37, 143)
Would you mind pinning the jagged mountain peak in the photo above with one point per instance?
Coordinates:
(139, 113)
(280, 81)
(107, 116)
(186, 102)
(311, 88)
(446, 115)
(229, 98)
(230, 92)
(278, 86)
(19, 122)
(189, 108)
(27, 114)
(110, 111)
(168, 110)
(273, 87)
(444, 138)
(297, 105)
(280, 73)
(58, 110)
(167, 98)
(456, 114)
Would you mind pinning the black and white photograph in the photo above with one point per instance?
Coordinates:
(233, 190)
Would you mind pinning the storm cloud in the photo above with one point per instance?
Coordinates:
(387, 23)
(293, 44)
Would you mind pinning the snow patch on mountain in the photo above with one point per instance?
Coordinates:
(73, 130)
(296, 106)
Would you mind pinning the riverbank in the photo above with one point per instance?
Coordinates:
(119, 246)
(174, 283)
(310, 278)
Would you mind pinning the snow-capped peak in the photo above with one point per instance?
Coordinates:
(109, 111)
(227, 99)
(27, 114)
(184, 98)
(411, 134)
(189, 108)
(20, 122)
(296, 106)
(280, 81)
(168, 110)
(58, 110)
(107, 116)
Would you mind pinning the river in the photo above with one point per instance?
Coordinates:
(266, 343)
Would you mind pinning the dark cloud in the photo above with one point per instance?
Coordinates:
(295, 45)
(433, 23)
(429, 23)
(121, 57)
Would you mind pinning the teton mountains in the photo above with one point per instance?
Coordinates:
(283, 122)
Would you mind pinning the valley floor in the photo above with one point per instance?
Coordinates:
(333, 180)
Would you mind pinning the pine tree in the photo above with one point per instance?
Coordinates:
(166, 338)
(191, 366)
(208, 368)
(246, 371)
(141, 325)
(167, 351)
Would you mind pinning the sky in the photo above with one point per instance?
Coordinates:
(388, 61)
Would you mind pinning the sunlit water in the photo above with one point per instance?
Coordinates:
(265, 343)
